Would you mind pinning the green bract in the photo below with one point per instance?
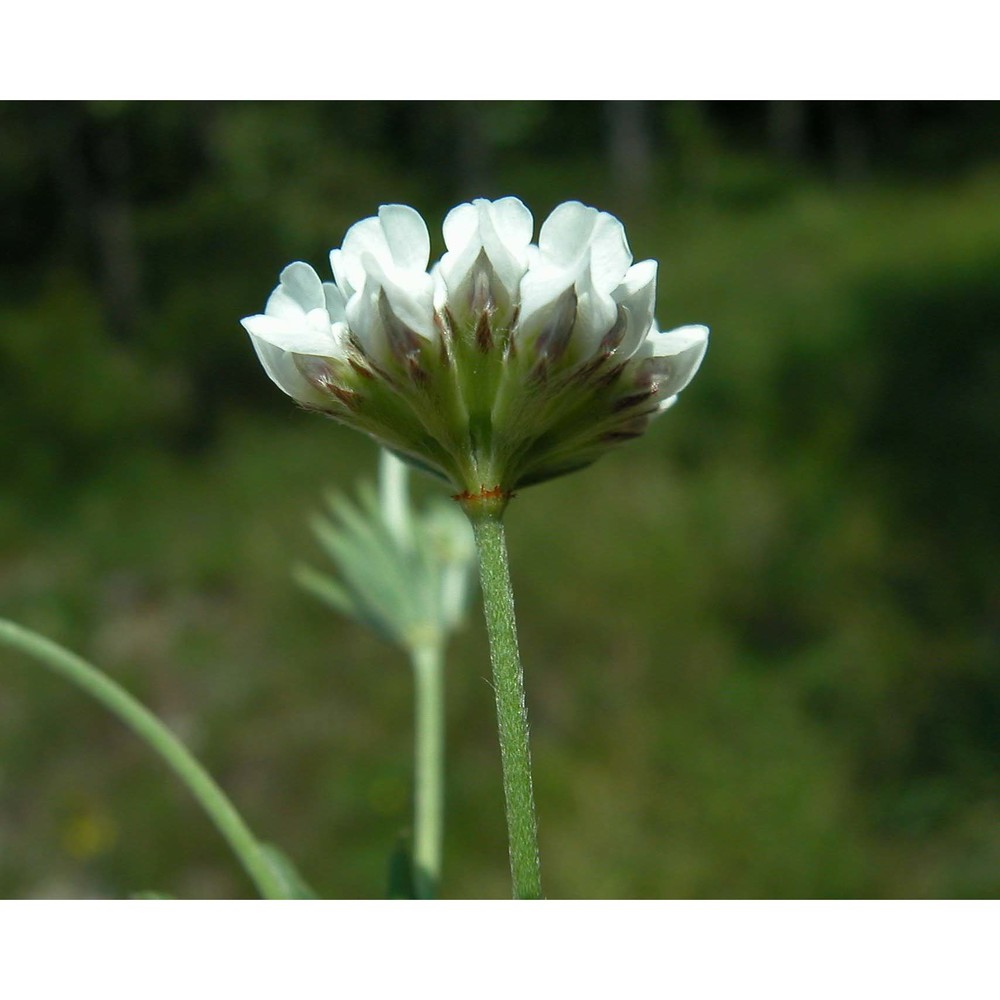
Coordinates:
(507, 364)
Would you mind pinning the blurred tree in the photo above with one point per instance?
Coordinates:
(786, 129)
(630, 150)
(851, 157)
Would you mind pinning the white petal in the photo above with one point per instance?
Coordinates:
(413, 303)
(283, 306)
(406, 236)
(456, 264)
(460, 227)
(364, 237)
(572, 228)
(637, 293)
(282, 370)
(675, 356)
(344, 269)
(305, 336)
(506, 252)
(610, 256)
(665, 343)
(335, 302)
(302, 285)
(410, 294)
(501, 228)
(540, 288)
(566, 233)
(440, 287)
(595, 316)
(513, 221)
(363, 319)
(637, 279)
(508, 217)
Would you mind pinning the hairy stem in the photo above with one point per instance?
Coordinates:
(135, 715)
(508, 683)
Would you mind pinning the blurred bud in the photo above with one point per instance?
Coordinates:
(406, 573)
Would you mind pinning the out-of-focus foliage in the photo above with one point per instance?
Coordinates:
(403, 572)
(761, 643)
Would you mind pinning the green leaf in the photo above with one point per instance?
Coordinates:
(284, 869)
(401, 871)
(320, 585)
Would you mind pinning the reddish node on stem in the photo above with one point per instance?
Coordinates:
(490, 501)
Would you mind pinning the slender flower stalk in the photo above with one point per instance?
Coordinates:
(251, 854)
(507, 364)
(508, 686)
(406, 573)
(428, 768)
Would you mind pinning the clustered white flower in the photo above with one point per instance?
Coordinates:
(508, 363)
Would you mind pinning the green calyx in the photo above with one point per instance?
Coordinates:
(484, 406)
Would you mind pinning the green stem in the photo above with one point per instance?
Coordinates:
(508, 684)
(135, 715)
(428, 806)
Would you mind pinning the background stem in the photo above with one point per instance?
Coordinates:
(135, 715)
(512, 716)
(428, 806)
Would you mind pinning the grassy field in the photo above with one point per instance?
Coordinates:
(758, 642)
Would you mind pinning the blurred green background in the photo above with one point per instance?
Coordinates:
(760, 643)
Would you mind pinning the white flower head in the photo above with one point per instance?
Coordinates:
(509, 363)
